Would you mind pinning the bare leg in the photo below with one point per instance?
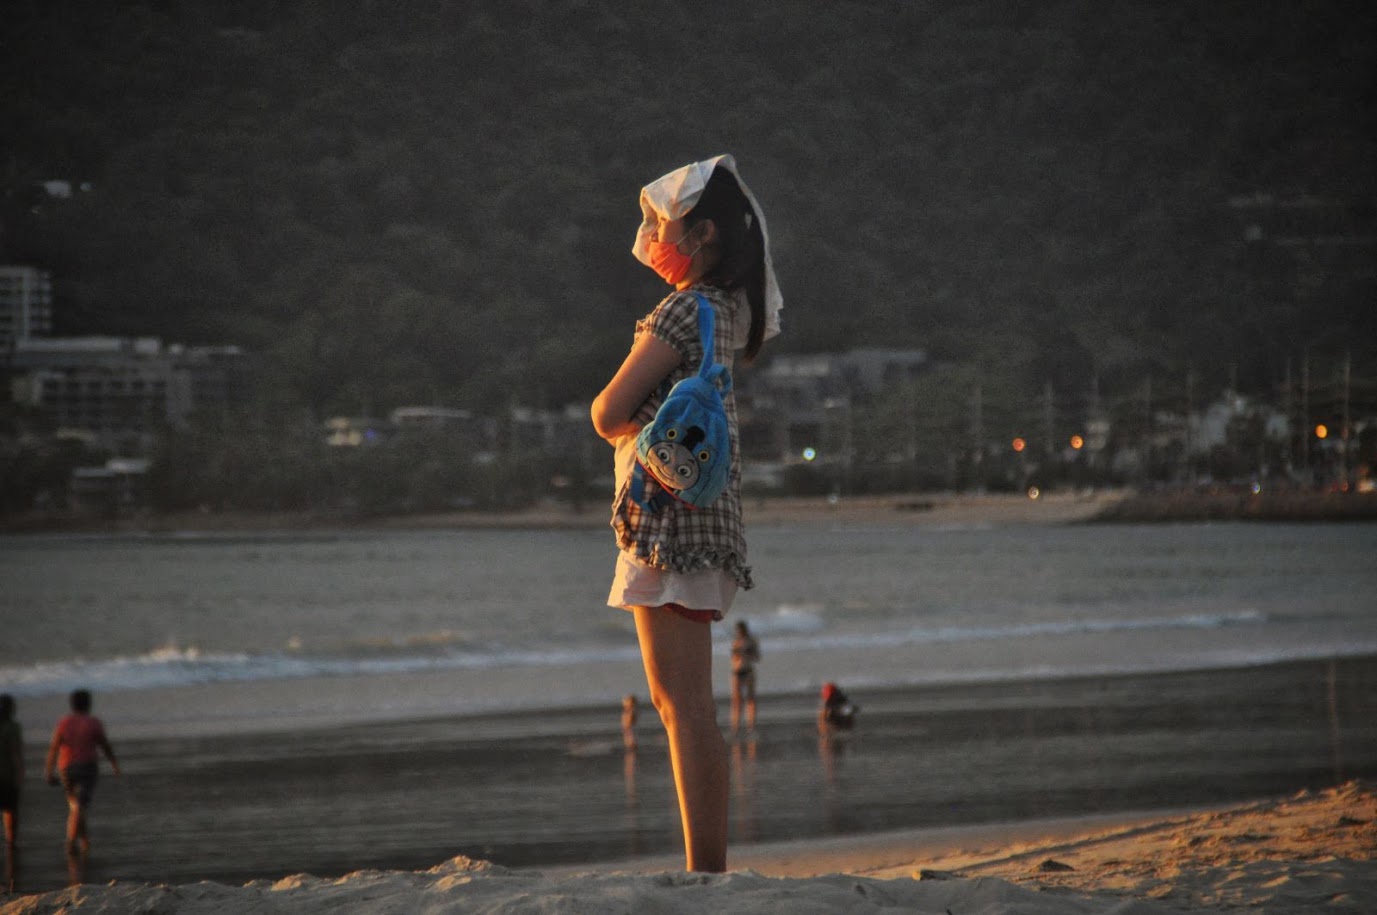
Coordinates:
(74, 869)
(750, 701)
(76, 827)
(736, 703)
(11, 818)
(677, 654)
(78, 844)
(76, 823)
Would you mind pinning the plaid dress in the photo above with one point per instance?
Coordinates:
(678, 538)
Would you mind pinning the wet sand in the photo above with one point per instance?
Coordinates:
(1311, 851)
(553, 788)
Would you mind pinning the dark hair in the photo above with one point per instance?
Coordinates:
(6, 706)
(741, 245)
(80, 700)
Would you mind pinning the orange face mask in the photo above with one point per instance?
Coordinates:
(668, 261)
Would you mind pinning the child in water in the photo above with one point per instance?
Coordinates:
(837, 713)
(629, 712)
(678, 568)
(745, 655)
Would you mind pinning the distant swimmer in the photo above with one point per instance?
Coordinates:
(73, 753)
(745, 655)
(837, 712)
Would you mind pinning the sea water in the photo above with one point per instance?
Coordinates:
(217, 632)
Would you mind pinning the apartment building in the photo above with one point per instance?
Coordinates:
(119, 391)
(802, 404)
(26, 305)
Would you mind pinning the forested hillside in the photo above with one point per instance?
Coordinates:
(431, 201)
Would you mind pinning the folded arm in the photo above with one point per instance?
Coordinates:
(649, 363)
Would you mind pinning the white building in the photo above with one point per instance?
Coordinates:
(800, 402)
(118, 391)
(26, 304)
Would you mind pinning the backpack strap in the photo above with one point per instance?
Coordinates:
(652, 503)
(710, 371)
(706, 327)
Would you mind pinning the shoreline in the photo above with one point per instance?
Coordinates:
(1189, 506)
(552, 791)
(1120, 505)
(261, 708)
(919, 508)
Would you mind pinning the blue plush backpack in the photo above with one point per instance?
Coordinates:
(686, 452)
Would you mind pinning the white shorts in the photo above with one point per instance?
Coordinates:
(636, 584)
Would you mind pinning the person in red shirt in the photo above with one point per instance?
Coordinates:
(837, 711)
(73, 752)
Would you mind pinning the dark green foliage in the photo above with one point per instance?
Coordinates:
(425, 201)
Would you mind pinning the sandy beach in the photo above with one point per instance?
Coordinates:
(1182, 741)
(1308, 852)
(1152, 793)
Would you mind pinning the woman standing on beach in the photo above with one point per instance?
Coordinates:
(745, 655)
(678, 568)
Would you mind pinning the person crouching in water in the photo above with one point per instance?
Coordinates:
(836, 713)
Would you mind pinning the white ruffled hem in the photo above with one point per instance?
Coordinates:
(635, 584)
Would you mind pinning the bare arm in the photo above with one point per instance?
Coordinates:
(50, 764)
(109, 752)
(649, 363)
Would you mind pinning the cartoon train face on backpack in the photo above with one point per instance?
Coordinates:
(676, 461)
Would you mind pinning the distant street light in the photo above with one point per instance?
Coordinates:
(1019, 444)
(1322, 431)
(1077, 442)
